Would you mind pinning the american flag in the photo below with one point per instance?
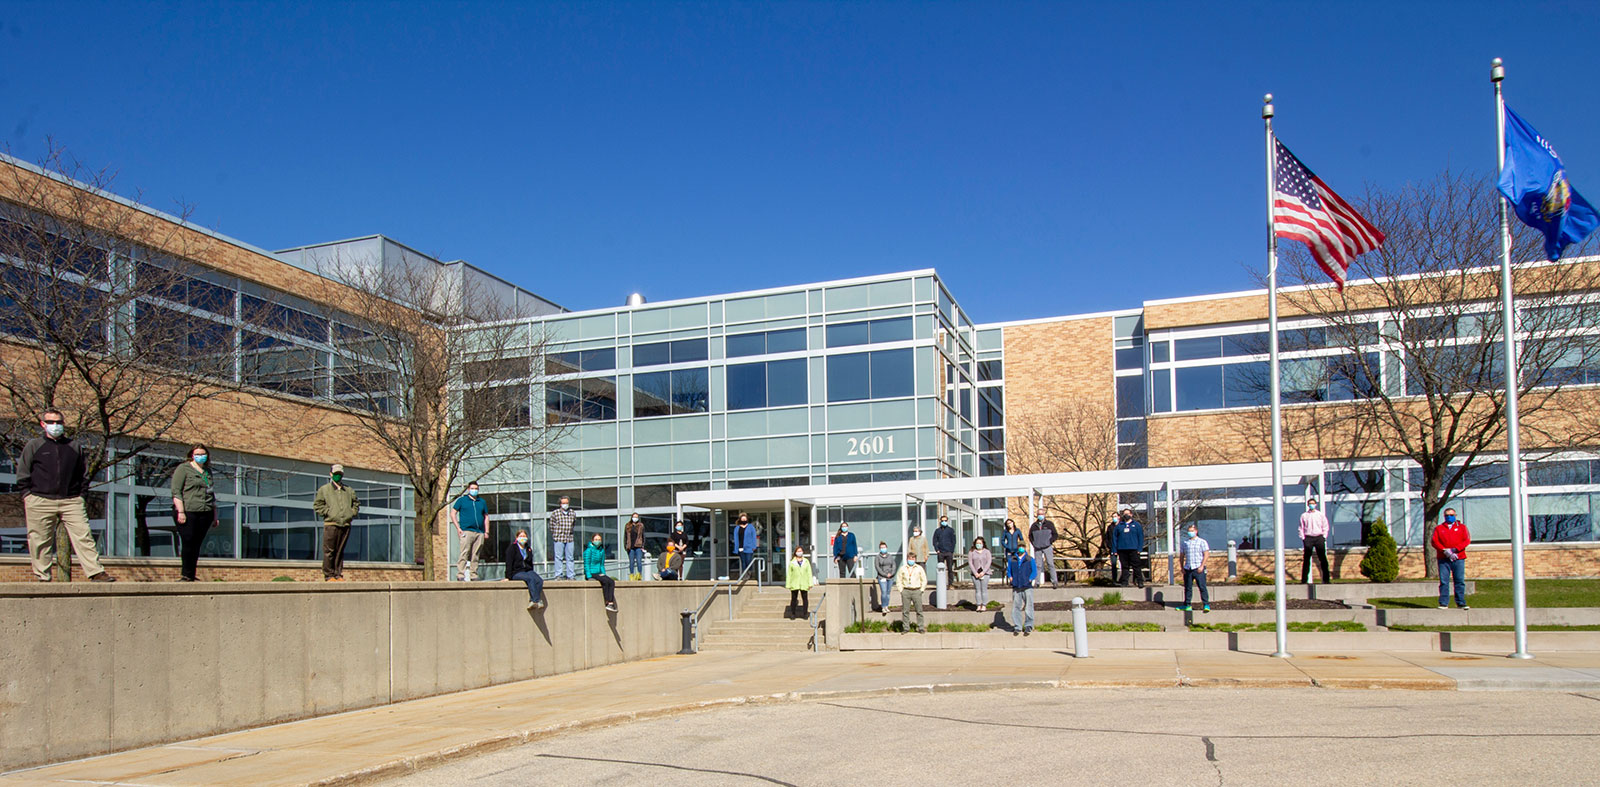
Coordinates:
(1306, 210)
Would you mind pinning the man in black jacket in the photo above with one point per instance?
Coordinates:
(944, 545)
(51, 475)
(519, 566)
(1042, 537)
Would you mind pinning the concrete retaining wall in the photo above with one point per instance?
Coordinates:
(87, 669)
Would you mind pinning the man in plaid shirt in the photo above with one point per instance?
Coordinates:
(1193, 553)
(561, 521)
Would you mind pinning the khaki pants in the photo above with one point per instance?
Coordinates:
(467, 560)
(334, 537)
(44, 516)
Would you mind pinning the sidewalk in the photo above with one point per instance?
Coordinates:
(400, 738)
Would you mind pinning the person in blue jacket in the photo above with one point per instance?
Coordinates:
(844, 549)
(744, 542)
(1010, 539)
(1023, 572)
(1127, 538)
(594, 567)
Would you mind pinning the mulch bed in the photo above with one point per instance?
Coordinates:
(1137, 606)
(1293, 603)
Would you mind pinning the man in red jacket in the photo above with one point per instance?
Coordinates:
(1450, 542)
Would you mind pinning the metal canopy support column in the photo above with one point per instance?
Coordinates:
(1172, 531)
(788, 529)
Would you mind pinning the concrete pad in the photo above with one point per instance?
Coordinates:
(1367, 670)
(1227, 668)
(134, 765)
(1535, 677)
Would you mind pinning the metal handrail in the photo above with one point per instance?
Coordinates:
(816, 640)
(716, 584)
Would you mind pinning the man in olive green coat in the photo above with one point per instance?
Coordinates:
(336, 503)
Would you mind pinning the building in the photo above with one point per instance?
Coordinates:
(872, 379)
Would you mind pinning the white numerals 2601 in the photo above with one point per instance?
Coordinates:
(871, 446)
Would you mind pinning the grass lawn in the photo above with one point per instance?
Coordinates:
(1294, 625)
(1492, 627)
(1496, 593)
(887, 626)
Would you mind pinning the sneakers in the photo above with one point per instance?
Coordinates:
(1016, 633)
(1464, 607)
(102, 577)
(1205, 608)
(532, 605)
(543, 603)
(1185, 608)
(1444, 606)
(1027, 631)
(612, 607)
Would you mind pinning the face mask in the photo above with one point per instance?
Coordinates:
(563, 506)
(1449, 519)
(943, 522)
(1127, 518)
(472, 493)
(1312, 506)
(844, 530)
(338, 476)
(680, 528)
(916, 533)
(55, 430)
(635, 519)
(522, 542)
(199, 459)
(1194, 534)
(596, 543)
(883, 550)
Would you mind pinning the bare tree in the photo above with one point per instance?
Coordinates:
(1076, 436)
(1410, 364)
(439, 374)
(102, 316)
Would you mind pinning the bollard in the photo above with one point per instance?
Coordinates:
(1080, 629)
(1233, 560)
(688, 633)
(942, 588)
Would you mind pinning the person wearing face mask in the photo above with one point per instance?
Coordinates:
(944, 545)
(470, 515)
(885, 565)
(1023, 572)
(981, 562)
(913, 580)
(519, 567)
(1193, 555)
(1127, 538)
(194, 508)
(671, 561)
(1010, 539)
(336, 503)
(51, 476)
(917, 547)
(633, 541)
(1450, 542)
(678, 537)
(561, 522)
(1042, 537)
(844, 550)
(1314, 530)
(744, 542)
(797, 578)
(594, 567)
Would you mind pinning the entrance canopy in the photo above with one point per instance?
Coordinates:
(1144, 479)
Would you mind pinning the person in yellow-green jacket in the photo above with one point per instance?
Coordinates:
(797, 578)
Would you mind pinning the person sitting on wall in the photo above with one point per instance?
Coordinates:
(519, 566)
(594, 567)
(671, 562)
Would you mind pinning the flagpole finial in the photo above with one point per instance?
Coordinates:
(1497, 70)
(1266, 106)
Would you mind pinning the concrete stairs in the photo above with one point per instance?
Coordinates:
(759, 626)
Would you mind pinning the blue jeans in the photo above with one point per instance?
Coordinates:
(534, 581)
(1191, 576)
(563, 564)
(1456, 572)
(636, 561)
(1022, 608)
(884, 584)
(745, 559)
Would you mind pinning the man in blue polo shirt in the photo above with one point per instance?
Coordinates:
(470, 514)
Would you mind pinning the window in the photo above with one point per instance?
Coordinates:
(1199, 387)
(768, 384)
(870, 332)
(588, 399)
(670, 393)
(599, 497)
(1160, 352)
(1161, 391)
(1197, 349)
(280, 365)
(1130, 396)
(1130, 357)
(991, 407)
(875, 375)
(500, 407)
(663, 495)
(681, 351)
(990, 370)
(575, 361)
(281, 318)
(762, 343)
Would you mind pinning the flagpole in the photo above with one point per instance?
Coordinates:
(1280, 604)
(1519, 596)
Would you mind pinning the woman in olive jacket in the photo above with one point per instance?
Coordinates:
(194, 508)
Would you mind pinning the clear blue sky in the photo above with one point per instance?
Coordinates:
(1046, 158)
